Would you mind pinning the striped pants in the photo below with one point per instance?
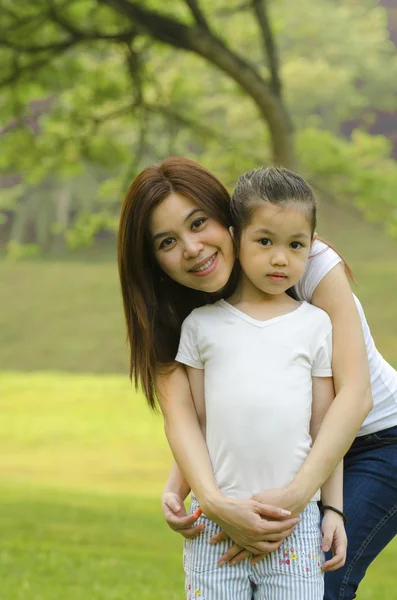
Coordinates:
(293, 572)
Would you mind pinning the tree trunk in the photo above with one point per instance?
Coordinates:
(202, 41)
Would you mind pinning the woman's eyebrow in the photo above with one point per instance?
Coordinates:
(164, 233)
(192, 212)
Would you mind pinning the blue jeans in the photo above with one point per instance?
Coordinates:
(370, 504)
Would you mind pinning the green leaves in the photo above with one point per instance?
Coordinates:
(92, 96)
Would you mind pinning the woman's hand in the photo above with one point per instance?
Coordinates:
(176, 517)
(287, 498)
(250, 524)
(335, 539)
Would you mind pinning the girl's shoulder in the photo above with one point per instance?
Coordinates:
(322, 259)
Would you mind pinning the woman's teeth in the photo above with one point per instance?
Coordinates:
(206, 265)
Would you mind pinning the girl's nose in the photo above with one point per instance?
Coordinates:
(279, 258)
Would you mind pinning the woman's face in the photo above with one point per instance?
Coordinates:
(189, 245)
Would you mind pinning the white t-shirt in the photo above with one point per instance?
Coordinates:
(258, 390)
(383, 377)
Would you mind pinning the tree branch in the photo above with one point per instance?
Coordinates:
(269, 46)
(197, 13)
(124, 36)
(207, 45)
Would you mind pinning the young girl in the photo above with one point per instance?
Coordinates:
(263, 362)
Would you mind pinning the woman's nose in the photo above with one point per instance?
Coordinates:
(192, 249)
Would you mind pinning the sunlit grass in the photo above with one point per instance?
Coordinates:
(82, 465)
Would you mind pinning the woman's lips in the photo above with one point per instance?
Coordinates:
(207, 267)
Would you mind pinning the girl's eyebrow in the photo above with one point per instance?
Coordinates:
(293, 235)
(190, 214)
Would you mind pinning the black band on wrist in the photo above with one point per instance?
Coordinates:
(324, 507)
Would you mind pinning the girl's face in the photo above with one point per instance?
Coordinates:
(275, 247)
(190, 246)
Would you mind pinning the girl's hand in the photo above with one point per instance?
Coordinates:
(335, 539)
(176, 517)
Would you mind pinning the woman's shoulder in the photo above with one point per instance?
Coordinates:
(322, 260)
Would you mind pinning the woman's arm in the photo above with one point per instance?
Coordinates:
(353, 400)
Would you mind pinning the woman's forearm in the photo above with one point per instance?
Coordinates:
(176, 483)
(338, 430)
(332, 489)
(353, 400)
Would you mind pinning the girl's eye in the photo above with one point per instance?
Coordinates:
(296, 245)
(265, 242)
(166, 243)
(198, 222)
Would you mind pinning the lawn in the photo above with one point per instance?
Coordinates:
(82, 463)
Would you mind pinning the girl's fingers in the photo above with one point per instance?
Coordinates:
(336, 562)
(191, 532)
(240, 556)
(180, 522)
(219, 537)
(264, 547)
(257, 559)
(229, 555)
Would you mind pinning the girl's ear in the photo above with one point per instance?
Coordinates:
(314, 238)
(231, 231)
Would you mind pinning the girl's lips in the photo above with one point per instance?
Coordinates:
(208, 270)
(277, 277)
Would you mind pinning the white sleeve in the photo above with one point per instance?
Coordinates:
(322, 365)
(188, 351)
(321, 261)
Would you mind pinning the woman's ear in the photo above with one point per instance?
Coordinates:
(231, 231)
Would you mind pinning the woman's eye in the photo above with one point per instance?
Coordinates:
(198, 222)
(265, 242)
(166, 243)
(296, 245)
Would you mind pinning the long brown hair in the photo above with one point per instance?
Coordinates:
(155, 305)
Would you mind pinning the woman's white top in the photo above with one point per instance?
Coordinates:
(383, 377)
(258, 390)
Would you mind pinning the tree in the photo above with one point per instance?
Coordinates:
(136, 80)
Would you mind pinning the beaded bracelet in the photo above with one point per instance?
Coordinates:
(324, 507)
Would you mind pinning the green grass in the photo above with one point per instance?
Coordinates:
(82, 464)
(66, 315)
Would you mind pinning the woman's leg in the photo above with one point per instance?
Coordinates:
(370, 503)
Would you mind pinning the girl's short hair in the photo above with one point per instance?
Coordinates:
(276, 185)
(155, 305)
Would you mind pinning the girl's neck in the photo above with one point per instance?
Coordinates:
(258, 304)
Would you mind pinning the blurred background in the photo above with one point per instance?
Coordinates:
(91, 91)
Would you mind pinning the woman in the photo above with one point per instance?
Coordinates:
(176, 253)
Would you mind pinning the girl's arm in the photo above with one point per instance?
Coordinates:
(241, 519)
(353, 399)
(333, 529)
